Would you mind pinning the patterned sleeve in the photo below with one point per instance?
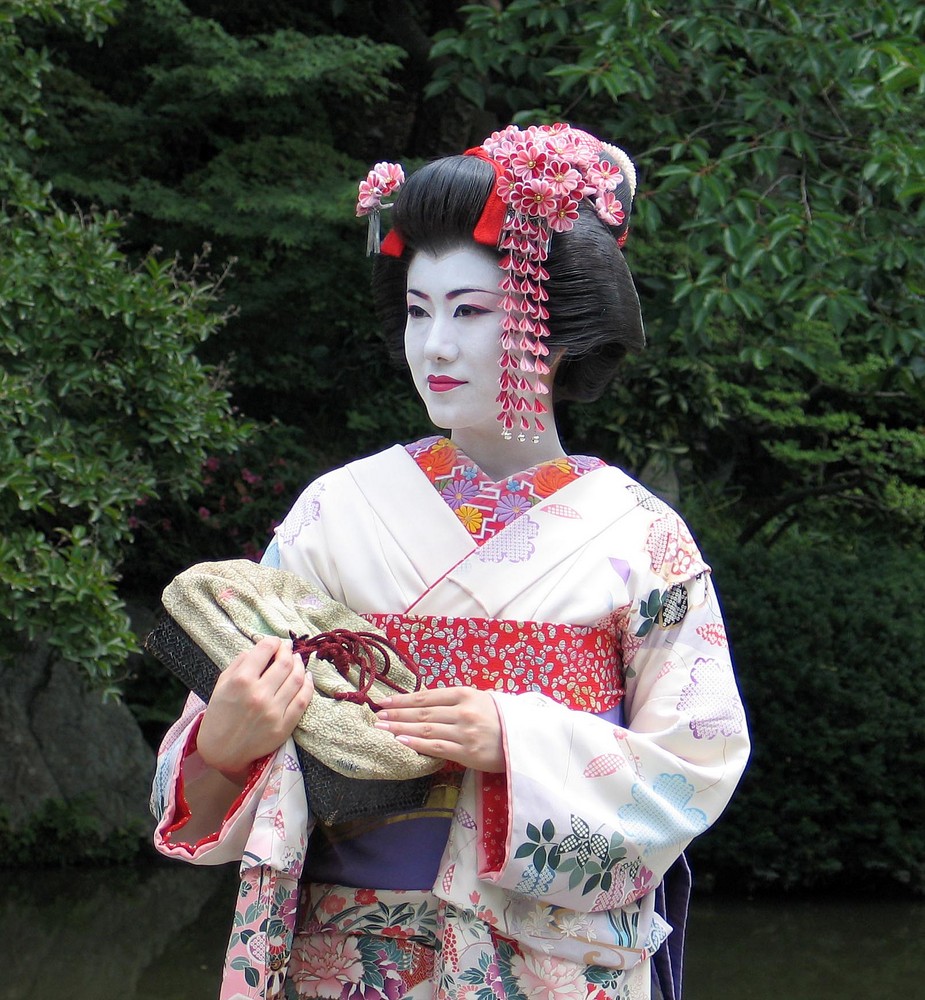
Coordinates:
(177, 761)
(597, 812)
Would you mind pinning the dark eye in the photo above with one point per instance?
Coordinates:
(464, 311)
(416, 312)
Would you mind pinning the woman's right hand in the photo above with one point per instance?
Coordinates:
(256, 704)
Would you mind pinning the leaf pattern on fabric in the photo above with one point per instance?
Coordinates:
(604, 764)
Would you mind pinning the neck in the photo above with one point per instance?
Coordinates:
(500, 459)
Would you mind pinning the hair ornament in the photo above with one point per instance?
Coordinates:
(381, 182)
(544, 173)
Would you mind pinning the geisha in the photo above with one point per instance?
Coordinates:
(578, 682)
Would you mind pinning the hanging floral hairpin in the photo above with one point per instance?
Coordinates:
(381, 182)
(545, 172)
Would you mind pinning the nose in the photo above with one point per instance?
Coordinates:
(441, 344)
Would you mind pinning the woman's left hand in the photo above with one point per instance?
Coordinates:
(456, 723)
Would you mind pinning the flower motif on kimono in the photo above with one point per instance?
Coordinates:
(542, 977)
(438, 459)
(552, 476)
(471, 517)
(328, 965)
(714, 633)
(659, 816)
(511, 507)
(305, 512)
(459, 492)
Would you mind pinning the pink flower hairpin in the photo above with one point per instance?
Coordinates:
(381, 182)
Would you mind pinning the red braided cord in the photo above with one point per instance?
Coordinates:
(345, 649)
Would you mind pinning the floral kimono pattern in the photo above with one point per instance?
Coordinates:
(558, 900)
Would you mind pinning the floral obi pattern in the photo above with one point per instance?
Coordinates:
(577, 665)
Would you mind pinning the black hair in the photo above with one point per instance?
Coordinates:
(594, 313)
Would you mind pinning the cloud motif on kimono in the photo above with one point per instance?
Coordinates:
(305, 511)
(716, 709)
(660, 816)
(513, 544)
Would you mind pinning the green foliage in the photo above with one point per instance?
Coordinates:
(229, 128)
(827, 638)
(103, 400)
(239, 500)
(777, 230)
(65, 833)
(245, 129)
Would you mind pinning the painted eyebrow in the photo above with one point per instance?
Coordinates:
(455, 294)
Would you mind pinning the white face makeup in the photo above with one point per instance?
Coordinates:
(453, 348)
(452, 337)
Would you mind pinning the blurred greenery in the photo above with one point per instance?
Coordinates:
(827, 638)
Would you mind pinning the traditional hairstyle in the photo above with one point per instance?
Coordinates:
(567, 286)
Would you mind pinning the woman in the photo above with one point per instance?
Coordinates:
(578, 682)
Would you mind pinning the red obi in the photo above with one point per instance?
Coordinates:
(577, 665)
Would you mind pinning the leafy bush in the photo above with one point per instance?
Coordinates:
(777, 230)
(827, 639)
(102, 399)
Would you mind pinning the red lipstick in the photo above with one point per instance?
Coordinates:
(442, 383)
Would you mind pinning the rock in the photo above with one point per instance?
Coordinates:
(115, 932)
(62, 742)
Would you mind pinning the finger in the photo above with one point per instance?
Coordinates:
(423, 730)
(279, 671)
(444, 749)
(255, 660)
(288, 682)
(299, 702)
(424, 698)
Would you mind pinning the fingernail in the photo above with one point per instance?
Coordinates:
(382, 715)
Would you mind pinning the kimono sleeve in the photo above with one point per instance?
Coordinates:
(274, 790)
(598, 812)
